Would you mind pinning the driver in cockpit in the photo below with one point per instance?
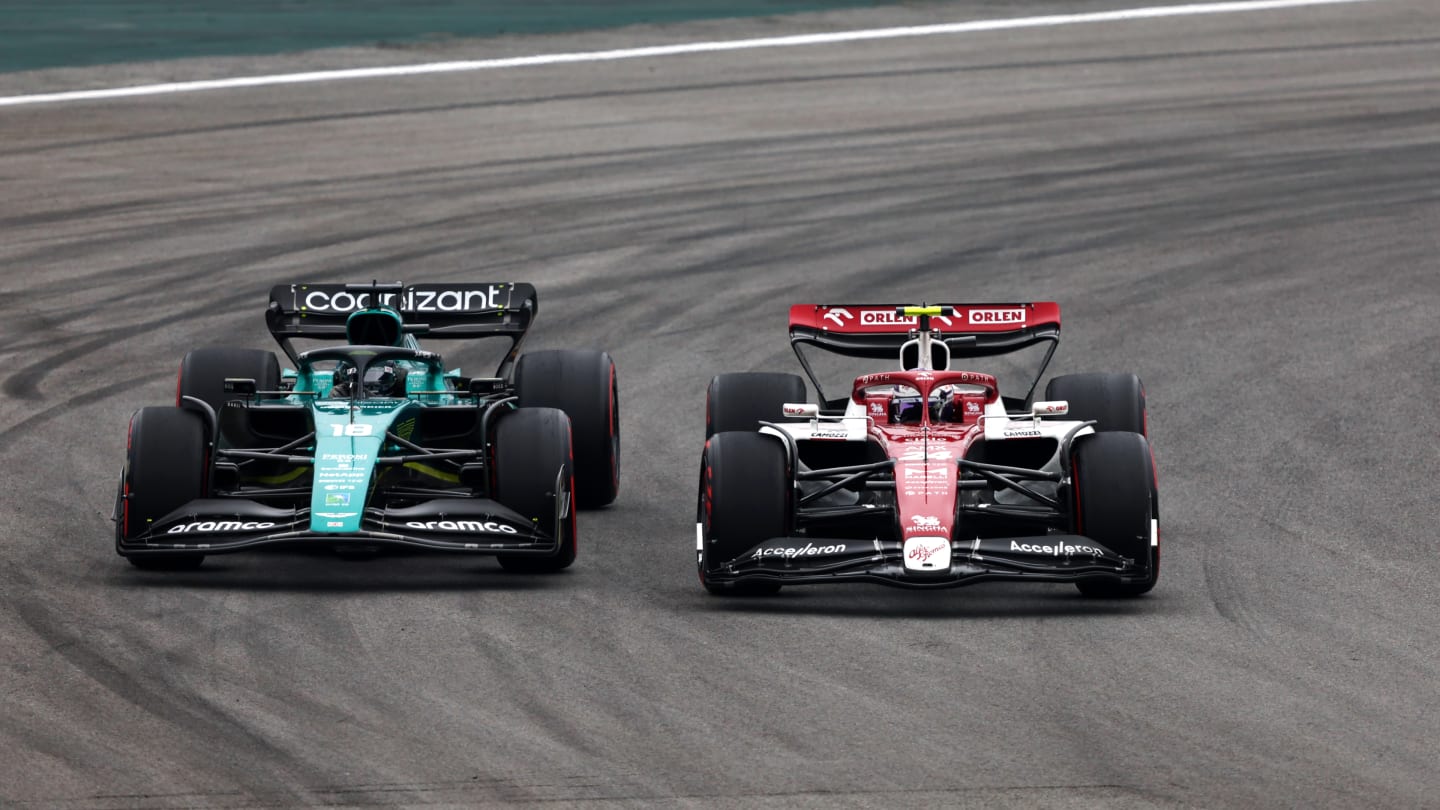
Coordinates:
(944, 406)
(372, 327)
(383, 379)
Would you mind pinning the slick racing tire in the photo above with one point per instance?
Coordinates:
(740, 401)
(581, 383)
(165, 468)
(532, 453)
(1112, 484)
(746, 496)
(203, 373)
(1115, 401)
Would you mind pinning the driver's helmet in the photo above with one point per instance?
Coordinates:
(373, 327)
(906, 409)
(906, 406)
(381, 380)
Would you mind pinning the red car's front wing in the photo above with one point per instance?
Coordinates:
(810, 560)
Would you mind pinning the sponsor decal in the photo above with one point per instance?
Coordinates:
(794, 410)
(345, 459)
(337, 498)
(810, 550)
(337, 514)
(411, 300)
(472, 526)
(926, 479)
(839, 315)
(994, 316)
(972, 407)
(883, 317)
(923, 376)
(1055, 550)
(877, 407)
(830, 434)
(221, 526)
(334, 524)
(925, 521)
(1021, 433)
(333, 487)
(922, 552)
(887, 317)
(919, 454)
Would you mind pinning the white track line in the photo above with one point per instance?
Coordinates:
(1120, 15)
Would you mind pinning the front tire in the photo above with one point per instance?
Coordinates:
(740, 401)
(165, 468)
(533, 453)
(1112, 482)
(581, 383)
(746, 497)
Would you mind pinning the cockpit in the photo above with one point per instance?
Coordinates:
(381, 380)
(947, 404)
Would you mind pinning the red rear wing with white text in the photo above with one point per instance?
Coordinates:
(871, 319)
(878, 330)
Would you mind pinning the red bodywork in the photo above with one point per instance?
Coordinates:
(925, 452)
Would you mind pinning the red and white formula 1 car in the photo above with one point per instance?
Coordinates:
(925, 476)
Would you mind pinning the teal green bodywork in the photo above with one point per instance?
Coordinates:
(348, 441)
(350, 434)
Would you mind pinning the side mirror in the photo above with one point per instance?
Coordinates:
(481, 386)
(240, 385)
(800, 410)
(1056, 408)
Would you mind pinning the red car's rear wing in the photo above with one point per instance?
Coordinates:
(878, 331)
(875, 330)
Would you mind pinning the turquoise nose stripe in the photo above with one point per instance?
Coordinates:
(348, 440)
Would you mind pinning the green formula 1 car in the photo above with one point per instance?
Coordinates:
(373, 442)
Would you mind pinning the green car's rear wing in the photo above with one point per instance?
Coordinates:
(443, 310)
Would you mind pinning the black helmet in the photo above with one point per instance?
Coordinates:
(381, 380)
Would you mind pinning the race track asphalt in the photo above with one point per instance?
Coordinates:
(1244, 209)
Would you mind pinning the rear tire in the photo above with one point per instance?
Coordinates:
(532, 447)
(165, 468)
(740, 401)
(581, 383)
(745, 498)
(1115, 401)
(203, 373)
(1112, 483)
